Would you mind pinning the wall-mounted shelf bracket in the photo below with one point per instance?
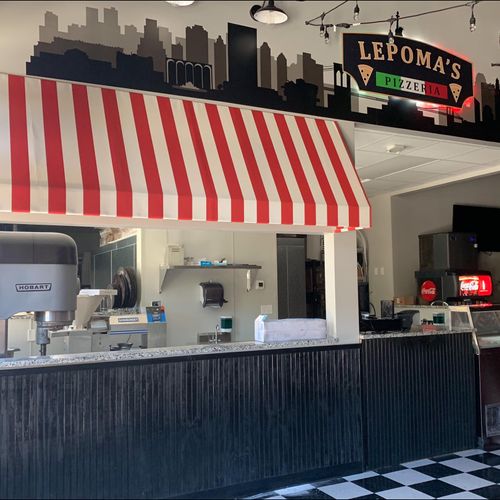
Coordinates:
(251, 272)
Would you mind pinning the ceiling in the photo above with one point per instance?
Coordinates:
(425, 161)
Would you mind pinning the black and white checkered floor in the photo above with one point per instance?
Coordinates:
(467, 474)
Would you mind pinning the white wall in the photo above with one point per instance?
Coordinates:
(431, 211)
(380, 251)
(19, 22)
(185, 315)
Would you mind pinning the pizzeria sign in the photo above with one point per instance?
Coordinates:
(407, 68)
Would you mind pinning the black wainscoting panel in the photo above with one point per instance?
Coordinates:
(174, 427)
(418, 397)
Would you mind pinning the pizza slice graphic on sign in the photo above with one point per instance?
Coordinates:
(366, 72)
(456, 89)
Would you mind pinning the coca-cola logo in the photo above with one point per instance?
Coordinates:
(469, 286)
(480, 285)
(428, 290)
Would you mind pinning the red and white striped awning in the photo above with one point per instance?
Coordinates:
(76, 149)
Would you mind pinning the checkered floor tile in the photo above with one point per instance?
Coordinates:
(467, 474)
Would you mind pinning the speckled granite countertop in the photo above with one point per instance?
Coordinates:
(369, 335)
(156, 353)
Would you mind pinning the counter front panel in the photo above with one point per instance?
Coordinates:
(419, 397)
(167, 427)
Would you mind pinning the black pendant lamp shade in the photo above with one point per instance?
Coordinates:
(268, 13)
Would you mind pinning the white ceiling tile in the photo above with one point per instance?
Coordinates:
(424, 160)
(364, 137)
(366, 158)
(379, 186)
(390, 166)
(447, 167)
(411, 143)
(414, 176)
(443, 150)
(480, 156)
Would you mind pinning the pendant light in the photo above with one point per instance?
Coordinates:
(268, 13)
(180, 3)
(472, 20)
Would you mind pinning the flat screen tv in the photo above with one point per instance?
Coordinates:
(484, 221)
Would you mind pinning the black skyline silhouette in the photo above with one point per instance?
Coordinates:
(237, 71)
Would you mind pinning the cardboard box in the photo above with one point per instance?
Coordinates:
(405, 300)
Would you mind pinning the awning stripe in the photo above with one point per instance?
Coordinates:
(155, 193)
(20, 167)
(206, 176)
(276, 170)
(37, 156)
(252, 168)
(86, 151)
(107, 183)
(118, 155)
(339, 172)
(332, 206)
(53, 148)
(347, 161)
(5, 147)
(185, 210)
(140, 197)
(80, 149)
(70, 153)
(263, 166)
(298, 170)
(286, 169)
(237, 206)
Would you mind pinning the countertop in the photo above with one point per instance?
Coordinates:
(157, 353)
(187, 351)
(374, 335)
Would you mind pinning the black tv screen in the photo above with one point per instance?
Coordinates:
(484, 221)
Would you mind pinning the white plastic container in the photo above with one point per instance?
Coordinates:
(175, 255)
(282, 330)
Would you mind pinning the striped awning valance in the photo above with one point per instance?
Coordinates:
(76, 149)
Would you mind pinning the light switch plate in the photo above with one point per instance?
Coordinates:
(266, 309)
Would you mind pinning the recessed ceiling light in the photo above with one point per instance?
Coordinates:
(395, 148)
(180, 3)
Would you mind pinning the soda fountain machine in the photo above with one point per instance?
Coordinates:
(449, 270)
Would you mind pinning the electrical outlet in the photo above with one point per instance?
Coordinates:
(259, 285)
(266, 309)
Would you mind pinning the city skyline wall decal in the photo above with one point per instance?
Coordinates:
(232, 68)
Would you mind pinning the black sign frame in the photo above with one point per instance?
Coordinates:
(407, 68)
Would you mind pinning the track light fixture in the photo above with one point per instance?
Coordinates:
(472, 20)
(356, 12)
(399, 29)
(268, 13)
(390, 35)
(319, 21)
(327, 36)
(322, 27)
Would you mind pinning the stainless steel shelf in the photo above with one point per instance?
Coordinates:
(250, 268)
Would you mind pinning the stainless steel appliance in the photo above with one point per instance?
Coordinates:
(448, 251)
(454, 286)
(449, 269)
(38, 274)
(485, 324)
